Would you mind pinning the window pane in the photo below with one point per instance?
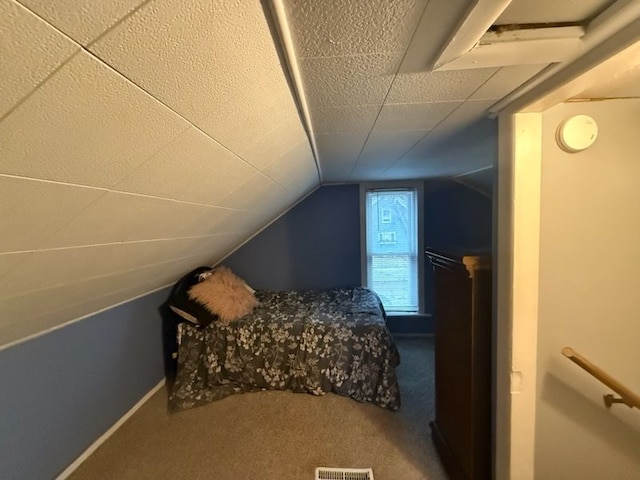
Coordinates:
(391, 243)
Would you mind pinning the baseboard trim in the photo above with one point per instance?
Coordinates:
(103, 438)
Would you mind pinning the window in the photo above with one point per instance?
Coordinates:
(392, 245)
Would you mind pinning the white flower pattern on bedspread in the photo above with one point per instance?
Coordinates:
(314, 341)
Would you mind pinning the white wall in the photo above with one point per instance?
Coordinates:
(589, 290)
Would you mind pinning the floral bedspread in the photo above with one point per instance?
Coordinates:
(314, 341)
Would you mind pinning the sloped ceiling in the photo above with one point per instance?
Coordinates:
(138, 139)
(141, 138)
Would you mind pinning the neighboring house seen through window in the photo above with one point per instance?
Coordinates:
(392, 246)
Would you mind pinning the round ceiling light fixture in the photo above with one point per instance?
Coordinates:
(577, 133)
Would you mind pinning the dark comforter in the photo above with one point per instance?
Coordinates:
(314, 341)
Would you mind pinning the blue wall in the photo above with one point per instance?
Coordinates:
(317, 243)
(61, 391)
(314, 245)
(457, 218)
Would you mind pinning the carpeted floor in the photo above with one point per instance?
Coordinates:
(279, 435)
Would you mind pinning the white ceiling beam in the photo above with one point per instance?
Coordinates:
(287, 47)
(470, 30)
(614, 30)
(532, 46)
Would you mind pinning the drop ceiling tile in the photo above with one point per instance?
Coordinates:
(161, 251)
(48, 268)
(344, 119)
(442, 154)
(292, 166)
(302, 188)
(32, 211)
(444, 86)
(86, 125)
(348, 27)
(250, 222)
(414, 116)
(338, 154)
(237, 121)
(546, 11)
(192, 55)
(248, 195)
(367, 173)
(30, 50)
(9, 261)
(82, 20)
(214, 220)
(622, 84)
(223, 245)
(439, 19)
(465, 115)
(44, 269)
(34, 312)
(193, 167)
(382, 149)
(276, 143)
(505, 81)
(121, 217)
(348, 80)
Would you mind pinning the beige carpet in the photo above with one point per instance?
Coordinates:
(279, 435)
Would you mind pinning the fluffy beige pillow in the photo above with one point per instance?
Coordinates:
(225, 295)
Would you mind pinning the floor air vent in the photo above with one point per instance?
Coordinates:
(326, 473)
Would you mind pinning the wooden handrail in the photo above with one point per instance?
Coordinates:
(627, 396)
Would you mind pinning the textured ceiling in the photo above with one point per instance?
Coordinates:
(141, 138)
(137, 140)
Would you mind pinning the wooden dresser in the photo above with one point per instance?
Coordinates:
(461, 430)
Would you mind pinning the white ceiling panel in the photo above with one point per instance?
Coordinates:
(382, 149)
(193, 55)
(120, 217)
(252, 112)
(436, 25)
(175, 136)
(8, 261)
(32, 211)
(49, 268)
(212, 221)
(295, 164)
(414, 116)
(447, 156)
(30, 50)
(350, 80)
(82, 20)
(251, 191)
(343, 27)
(275, 143)
(505, 81)
(625, 84)
(86, 125)
(193, 167)
(338, 154)
(359, 118)
(547, 11)
(445, 86)
(463, 116)
(27, 314)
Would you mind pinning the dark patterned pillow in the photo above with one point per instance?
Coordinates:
(186, 307)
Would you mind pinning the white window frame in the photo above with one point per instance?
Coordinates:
(419, 188)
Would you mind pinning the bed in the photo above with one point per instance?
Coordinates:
(313, 341)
